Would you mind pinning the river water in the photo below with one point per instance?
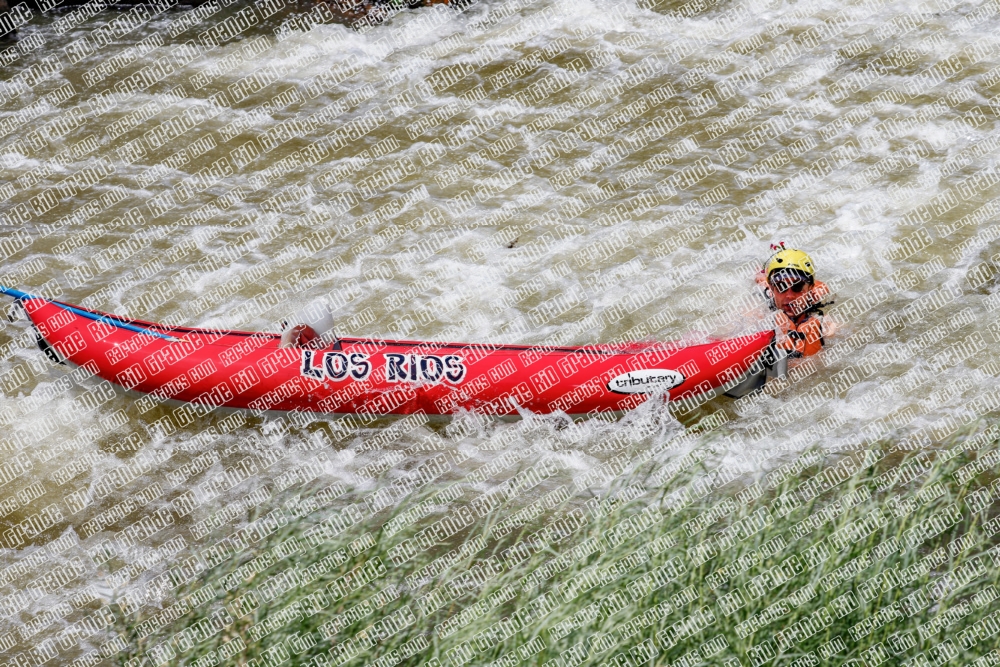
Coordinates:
(451, 175)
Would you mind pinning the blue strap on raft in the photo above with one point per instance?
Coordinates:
(21, 296)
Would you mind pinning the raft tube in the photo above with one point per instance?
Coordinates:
(241, 369)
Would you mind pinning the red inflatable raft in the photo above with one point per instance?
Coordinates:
(241, 369)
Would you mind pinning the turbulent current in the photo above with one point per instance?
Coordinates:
(552, 172)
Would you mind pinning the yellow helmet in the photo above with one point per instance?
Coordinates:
(790, 259)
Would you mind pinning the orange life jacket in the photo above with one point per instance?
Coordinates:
(802, 331)
(803, 335)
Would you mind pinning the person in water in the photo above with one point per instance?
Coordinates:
(789, 281)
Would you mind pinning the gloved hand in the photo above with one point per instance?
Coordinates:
(803, 339)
